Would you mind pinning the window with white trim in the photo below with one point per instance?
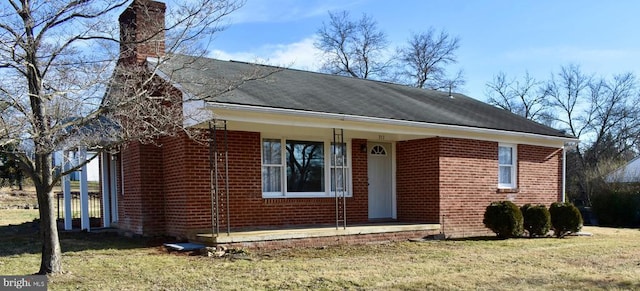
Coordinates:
(271, 166)
(507, 161)
(303, 168)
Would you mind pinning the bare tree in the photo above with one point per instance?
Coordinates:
(56, 61)
(423, 60)
(603, 113)
(352, 48)
(525, 97)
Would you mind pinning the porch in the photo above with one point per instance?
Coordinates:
(320, 235)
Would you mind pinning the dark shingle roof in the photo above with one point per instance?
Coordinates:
(309, 91)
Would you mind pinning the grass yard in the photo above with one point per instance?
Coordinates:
(17, 216)
(100, 261)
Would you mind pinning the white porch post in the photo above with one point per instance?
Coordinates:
(104, 181)
(84, 192)
(66, 190)
(113, 185)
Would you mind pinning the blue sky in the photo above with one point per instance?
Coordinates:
(496, 36)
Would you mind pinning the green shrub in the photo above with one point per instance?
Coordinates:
(617, 208)
(565, 218)
(537, 220)
(504, 218)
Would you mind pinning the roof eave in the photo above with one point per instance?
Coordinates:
(378, 120)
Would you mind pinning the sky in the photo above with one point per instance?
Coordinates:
(513, 37)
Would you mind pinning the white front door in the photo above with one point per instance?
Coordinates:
(380, 180)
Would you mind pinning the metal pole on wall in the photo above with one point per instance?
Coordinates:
(211, 182)
(226, 176)
(215, 175)
(335, 178)
(345, 178)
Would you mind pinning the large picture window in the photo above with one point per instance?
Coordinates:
(302, 168)
(507, 161)
(305, 166)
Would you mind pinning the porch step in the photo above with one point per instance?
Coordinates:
(303, 233)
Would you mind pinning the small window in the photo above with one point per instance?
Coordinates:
(378, 150)
(271, 165)
(507, 166)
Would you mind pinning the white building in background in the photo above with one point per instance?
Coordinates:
(93, 167)
(629, 173)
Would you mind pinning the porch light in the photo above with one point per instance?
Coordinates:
(112, 153)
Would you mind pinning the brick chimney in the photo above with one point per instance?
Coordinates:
(142, 31)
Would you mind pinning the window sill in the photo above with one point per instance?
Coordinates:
(507, 190)
(280, 196)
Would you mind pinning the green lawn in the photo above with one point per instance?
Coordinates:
(92, 186)
(17, 216)
(610, 259)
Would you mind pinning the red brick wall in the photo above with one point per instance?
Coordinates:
(469, 178)
(129, 200)
(540, 175)
(417, 176)
(358, 206)
(444, 180)
(175, 188)
(183, 167)
(141, 206)
(468, 183)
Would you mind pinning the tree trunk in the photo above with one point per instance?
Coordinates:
(51, 261)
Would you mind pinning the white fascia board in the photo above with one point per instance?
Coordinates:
(375, 124)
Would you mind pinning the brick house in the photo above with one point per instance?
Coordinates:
(299, 150)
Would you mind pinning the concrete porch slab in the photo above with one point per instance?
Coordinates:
(312, 232)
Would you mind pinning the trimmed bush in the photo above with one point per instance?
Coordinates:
(537, 220)
(565, 218)
(617, 208)
(504, 218)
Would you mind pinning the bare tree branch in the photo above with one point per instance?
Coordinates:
(603, 113)
(423, 60)
(525, 97)
(353, 48)
(57, 58)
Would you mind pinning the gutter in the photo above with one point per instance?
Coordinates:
(564, 173)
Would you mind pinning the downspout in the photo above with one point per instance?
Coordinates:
(564, 173)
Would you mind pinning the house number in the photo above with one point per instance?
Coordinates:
(380, 137)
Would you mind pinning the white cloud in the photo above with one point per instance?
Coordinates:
(299, 55)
